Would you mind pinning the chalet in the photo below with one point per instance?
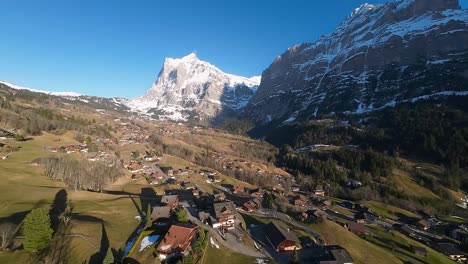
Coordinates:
(161, 213)
(419, 251)
(327, 203)
(364, 218)
(355, 228)
(352, 184)
(252, 205)
(189, 186)
(134, 167)
(424, 224)
(319, 192)
(299, 200)
(170, 200)
(176, 241)
(238, 189)
(257, 193)
(279, 237)
(313, 215)
(295, 188)
(219, 196)
(460, 233)
(336, 255)
(215, 178)
(451, 250)
(225, 214)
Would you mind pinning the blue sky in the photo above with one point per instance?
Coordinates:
(116, 48)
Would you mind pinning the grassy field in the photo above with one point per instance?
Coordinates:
(404, 180)
(361, 250)
(399, 245)
(97, 217)
(224, 256)
(389, 211)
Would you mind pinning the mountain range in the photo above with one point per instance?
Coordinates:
(380, 55)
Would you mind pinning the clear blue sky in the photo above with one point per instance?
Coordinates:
(116, 48)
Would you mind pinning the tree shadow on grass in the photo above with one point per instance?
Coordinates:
(99, 256)
(148, 198)
(58, 207)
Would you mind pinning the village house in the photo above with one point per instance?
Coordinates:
(161, 213)
(459, 233)
(257, 193)
(424, 224)
(252, 205)
(336, 255)
(313, 215)
(219, 196)
(170, 200)
(134, 167)
(224, 214)
(279, 237)
(450, 250)
(299, 200)
(238, 189)
(176, 241)
(319, 192)
(355, 228)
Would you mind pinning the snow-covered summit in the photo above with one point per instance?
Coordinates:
(189, 88)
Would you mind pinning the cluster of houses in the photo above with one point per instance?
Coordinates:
(70, 149)
(132, 134)
(179, 236)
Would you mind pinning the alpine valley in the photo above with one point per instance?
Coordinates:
(350, 149)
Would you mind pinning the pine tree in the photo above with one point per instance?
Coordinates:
(37, 230)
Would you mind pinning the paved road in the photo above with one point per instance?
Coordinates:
(233, 245)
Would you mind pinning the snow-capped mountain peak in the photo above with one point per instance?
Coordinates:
(189, 88)
(380, 54)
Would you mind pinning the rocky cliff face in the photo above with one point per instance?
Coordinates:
(191, 89)
(379, 55)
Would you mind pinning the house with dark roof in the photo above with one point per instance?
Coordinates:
(280, 238)
(355, 228)
(161, 213)
(336, 255)
(252, 205)
(224, 213)
(170, 200)
(176, 241)
(450, 250)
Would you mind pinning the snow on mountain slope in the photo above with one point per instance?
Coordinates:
(377, 55)
(188, 88)
(17, 87)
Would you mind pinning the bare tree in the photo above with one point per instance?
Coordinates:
(7, 233)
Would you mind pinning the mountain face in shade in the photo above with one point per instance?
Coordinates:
(379, 55)
(191, 89)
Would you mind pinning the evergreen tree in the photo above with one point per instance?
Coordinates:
(37, 230)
